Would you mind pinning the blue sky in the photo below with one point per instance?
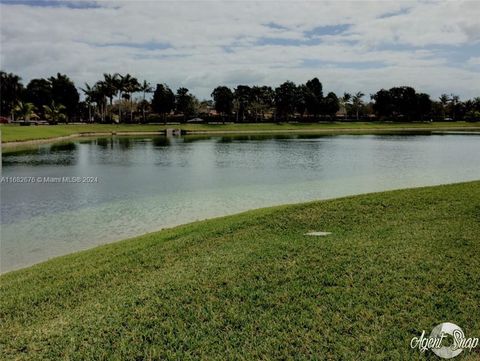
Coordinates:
(350, 46)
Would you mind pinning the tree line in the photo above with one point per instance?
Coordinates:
(124, 99)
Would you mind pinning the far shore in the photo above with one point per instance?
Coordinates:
(14, 136)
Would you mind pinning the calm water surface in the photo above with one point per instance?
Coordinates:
(145, 184)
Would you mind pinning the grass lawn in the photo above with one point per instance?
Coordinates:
(11, 133)
(252, 286)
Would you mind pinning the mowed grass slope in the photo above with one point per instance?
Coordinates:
(252, 286)
(15, 133)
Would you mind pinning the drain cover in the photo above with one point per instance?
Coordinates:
(317, 233)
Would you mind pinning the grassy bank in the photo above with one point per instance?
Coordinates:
(14, 133)
(252, 286)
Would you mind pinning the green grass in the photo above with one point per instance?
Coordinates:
(11, 133)
(252, 286)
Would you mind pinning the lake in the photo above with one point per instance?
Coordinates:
(143, 184)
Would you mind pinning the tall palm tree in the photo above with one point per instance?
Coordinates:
(25, 110)
(130, 86)
(103, 91)
(145, 88)
(119, 86)
(454, 100)
(55, 112)
(90, 93)
(357, 102)
(109, 87)
(345, 102)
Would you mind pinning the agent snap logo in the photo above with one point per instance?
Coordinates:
(446, 340)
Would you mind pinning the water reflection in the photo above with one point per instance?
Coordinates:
(56, 154)
(124, 143)
(161, 142)
(63, 147)
(102, 142)
(194, 138)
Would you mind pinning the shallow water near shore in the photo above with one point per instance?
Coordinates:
(142, 184)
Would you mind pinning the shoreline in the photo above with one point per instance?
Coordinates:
(373, 130)
(173, 226)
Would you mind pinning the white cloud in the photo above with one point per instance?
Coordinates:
(474, 60)
(386, 43)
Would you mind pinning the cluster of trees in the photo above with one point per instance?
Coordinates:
(108, 100)
(283, 102)
(245, 103)
(403, 103)
(99, 98)
(123, 98)
(165, 102)
(55, 98)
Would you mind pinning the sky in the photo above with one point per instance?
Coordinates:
(350, 46)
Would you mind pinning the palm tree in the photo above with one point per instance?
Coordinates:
(145, 88)
(55, 112)
(109, 88)
(25, 110)
(119, 86)
(130, 86)
(103, 92)
(345, 102)
(90, 93)
(454, 100)
(357, 102)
